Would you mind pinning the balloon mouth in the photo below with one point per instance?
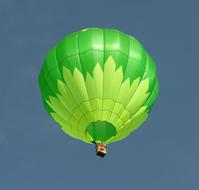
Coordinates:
(100, 131)
(101, 150)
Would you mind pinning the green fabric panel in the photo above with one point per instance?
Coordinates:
(153, 95)
(50, 73)
(117, 45)
(87, 58)
(134, 70)
(46, 106)
(101, 131)
(137, 61)
(51, 80)
(151, 67)
(61, 50)
(71, 63)
(150, 72)
(47, 66)
(137, 51)
(67, 52)
(91, 49)
(44, 89)
(68, 46)
(91, 39)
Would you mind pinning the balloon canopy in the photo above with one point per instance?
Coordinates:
(98, 84)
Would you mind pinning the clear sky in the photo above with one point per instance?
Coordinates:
(161, 155)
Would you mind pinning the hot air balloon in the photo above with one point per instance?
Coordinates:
(99, 85)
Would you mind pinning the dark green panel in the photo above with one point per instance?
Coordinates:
(67, 52)
(153, 96)
(137, 51)
(150, 72)
(72, 62)
(46, 90)
(151, 67)
(137, 61)
(89, 59)
(50, 61)
(91, 49)
(51, 79)
(68, 46)
(117, 45)
(101, 131)
(61, 50)
(50, 73)
(91, 39)
(47, 107)
(134, 70)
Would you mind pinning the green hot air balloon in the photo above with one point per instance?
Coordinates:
(99, 85)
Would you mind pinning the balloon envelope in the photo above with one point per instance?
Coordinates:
(98, 84)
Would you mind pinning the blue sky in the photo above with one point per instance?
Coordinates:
(162, 154)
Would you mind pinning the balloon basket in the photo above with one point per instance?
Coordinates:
(101, 150)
